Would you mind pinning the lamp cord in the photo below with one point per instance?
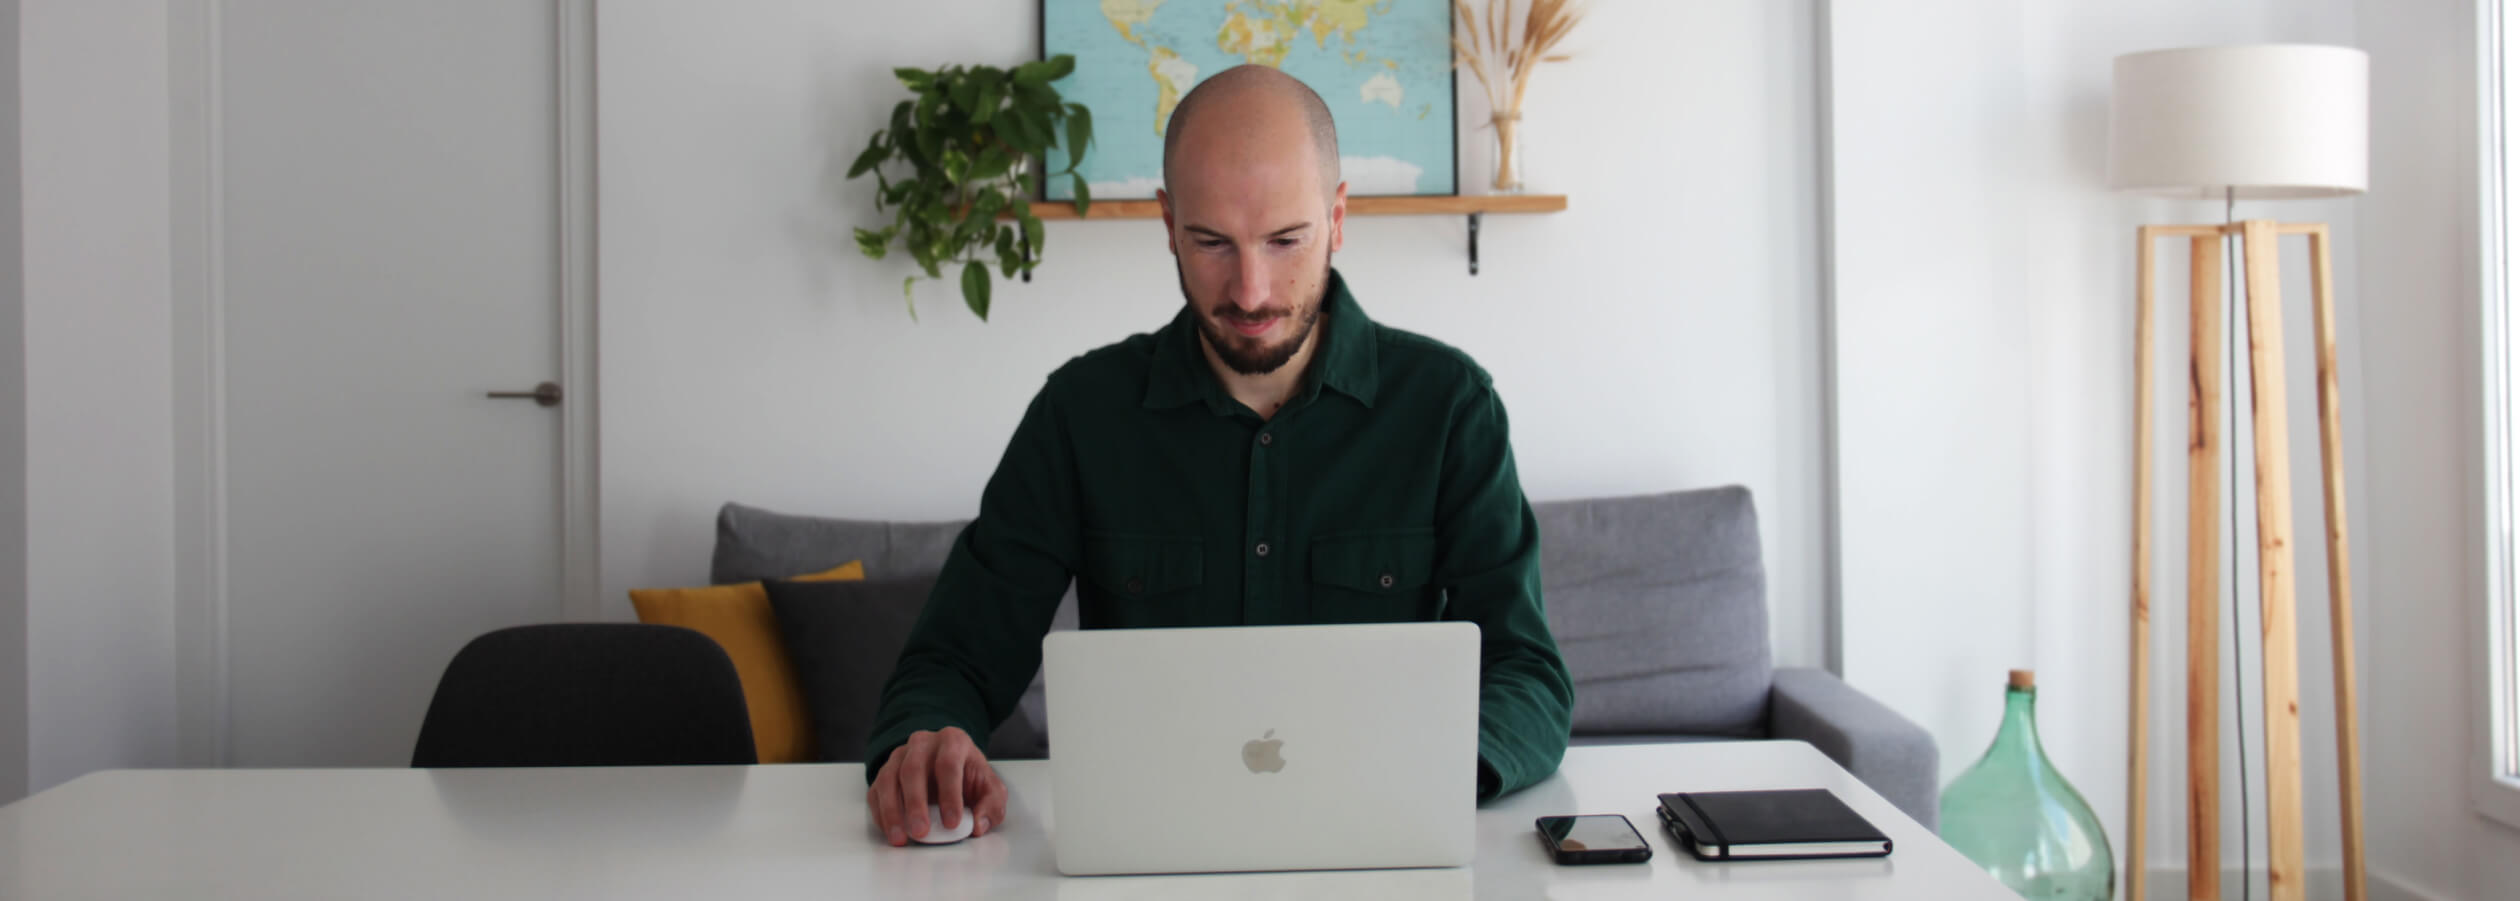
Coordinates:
(2231, 412)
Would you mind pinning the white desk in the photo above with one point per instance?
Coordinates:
(802, 831)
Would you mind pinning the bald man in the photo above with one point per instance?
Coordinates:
(1271, 457)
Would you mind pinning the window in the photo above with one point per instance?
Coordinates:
(2498, 785)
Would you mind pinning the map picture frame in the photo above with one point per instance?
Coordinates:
(1054, 190)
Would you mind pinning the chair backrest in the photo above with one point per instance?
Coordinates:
(587, 694)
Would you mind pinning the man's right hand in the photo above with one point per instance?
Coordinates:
(944, 768)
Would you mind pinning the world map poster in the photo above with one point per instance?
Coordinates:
(1384, 67)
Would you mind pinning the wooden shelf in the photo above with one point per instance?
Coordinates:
(1357, 206)
(1469, 206)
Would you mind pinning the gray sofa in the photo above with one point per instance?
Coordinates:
(1658, 602)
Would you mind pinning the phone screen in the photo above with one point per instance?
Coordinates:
(1608, 832)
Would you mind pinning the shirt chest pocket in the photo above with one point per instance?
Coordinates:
(1375, 576)
(1139, 567)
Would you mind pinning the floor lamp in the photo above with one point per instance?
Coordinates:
(2230, 124)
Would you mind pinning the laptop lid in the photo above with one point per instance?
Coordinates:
(1263, 748)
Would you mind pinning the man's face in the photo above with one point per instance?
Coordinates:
(1252, 229)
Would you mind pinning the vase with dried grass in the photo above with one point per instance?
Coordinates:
(1501, 49)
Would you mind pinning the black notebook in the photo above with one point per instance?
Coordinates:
(1797, 824)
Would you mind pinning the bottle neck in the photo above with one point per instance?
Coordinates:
(2019, 736)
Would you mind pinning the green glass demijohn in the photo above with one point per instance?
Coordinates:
(2013, 814)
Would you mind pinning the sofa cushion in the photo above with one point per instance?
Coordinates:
(1659, 605)
(753, 543)
(738, 616)
(845, 638)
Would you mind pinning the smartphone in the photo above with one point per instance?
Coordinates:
(1604, 838)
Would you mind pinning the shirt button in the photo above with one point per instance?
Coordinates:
(1266, 438)
(1386, 580)
(1136, 585)
(1262, 550)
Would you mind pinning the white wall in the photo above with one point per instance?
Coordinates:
(1661, 334)
(99, 632)
(2420, 258)
(1984, 339)
(12, 426)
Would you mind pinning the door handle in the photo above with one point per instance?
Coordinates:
(546, 394)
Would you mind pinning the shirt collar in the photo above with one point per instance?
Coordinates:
(1345, 362)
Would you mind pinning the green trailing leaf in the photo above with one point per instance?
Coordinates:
(915, 79)
(869, 158)
(872, 243)
(1084, 195)
(1080, 132)
(919, 255)
(985, 91)
(1061, 65)
(907, 300)
(925, 115)
(975, 285)
(1035, 96)
(1023, 129)
(1009, 261)
(1046, 71)
(900, 127)
(966, 92)
(1032, 233)
(931, 146)
(993, 163)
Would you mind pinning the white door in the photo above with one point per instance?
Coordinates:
(386, 177)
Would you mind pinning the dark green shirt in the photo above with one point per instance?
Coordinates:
(1384, 491)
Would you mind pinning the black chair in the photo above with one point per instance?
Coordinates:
(587, 694)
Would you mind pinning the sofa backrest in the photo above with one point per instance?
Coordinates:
(1659, 605)
(758, 545)
(1658, 602)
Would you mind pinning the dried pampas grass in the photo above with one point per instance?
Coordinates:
(1502, 53)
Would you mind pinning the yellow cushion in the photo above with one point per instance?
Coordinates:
(739, 617)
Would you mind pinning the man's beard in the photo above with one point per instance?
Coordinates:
(1238, 354)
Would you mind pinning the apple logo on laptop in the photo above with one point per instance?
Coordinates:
(1261, 754)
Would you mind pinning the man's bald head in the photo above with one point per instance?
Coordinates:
(1252, 97)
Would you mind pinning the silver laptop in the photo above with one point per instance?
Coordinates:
(1263, 748)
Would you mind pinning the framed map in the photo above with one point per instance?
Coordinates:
(1383, 66)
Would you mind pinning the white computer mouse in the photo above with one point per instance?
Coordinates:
(938, 834)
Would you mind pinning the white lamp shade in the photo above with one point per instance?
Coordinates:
(2262, 122)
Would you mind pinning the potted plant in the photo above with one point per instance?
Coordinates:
(961, 152)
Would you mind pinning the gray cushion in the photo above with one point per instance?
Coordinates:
(756, 544)
(1659, 604)
(844, 638)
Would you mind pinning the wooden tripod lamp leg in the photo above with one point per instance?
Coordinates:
(2204, 643)
(2275, 564)
(2139, 643)
(2340, 573)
